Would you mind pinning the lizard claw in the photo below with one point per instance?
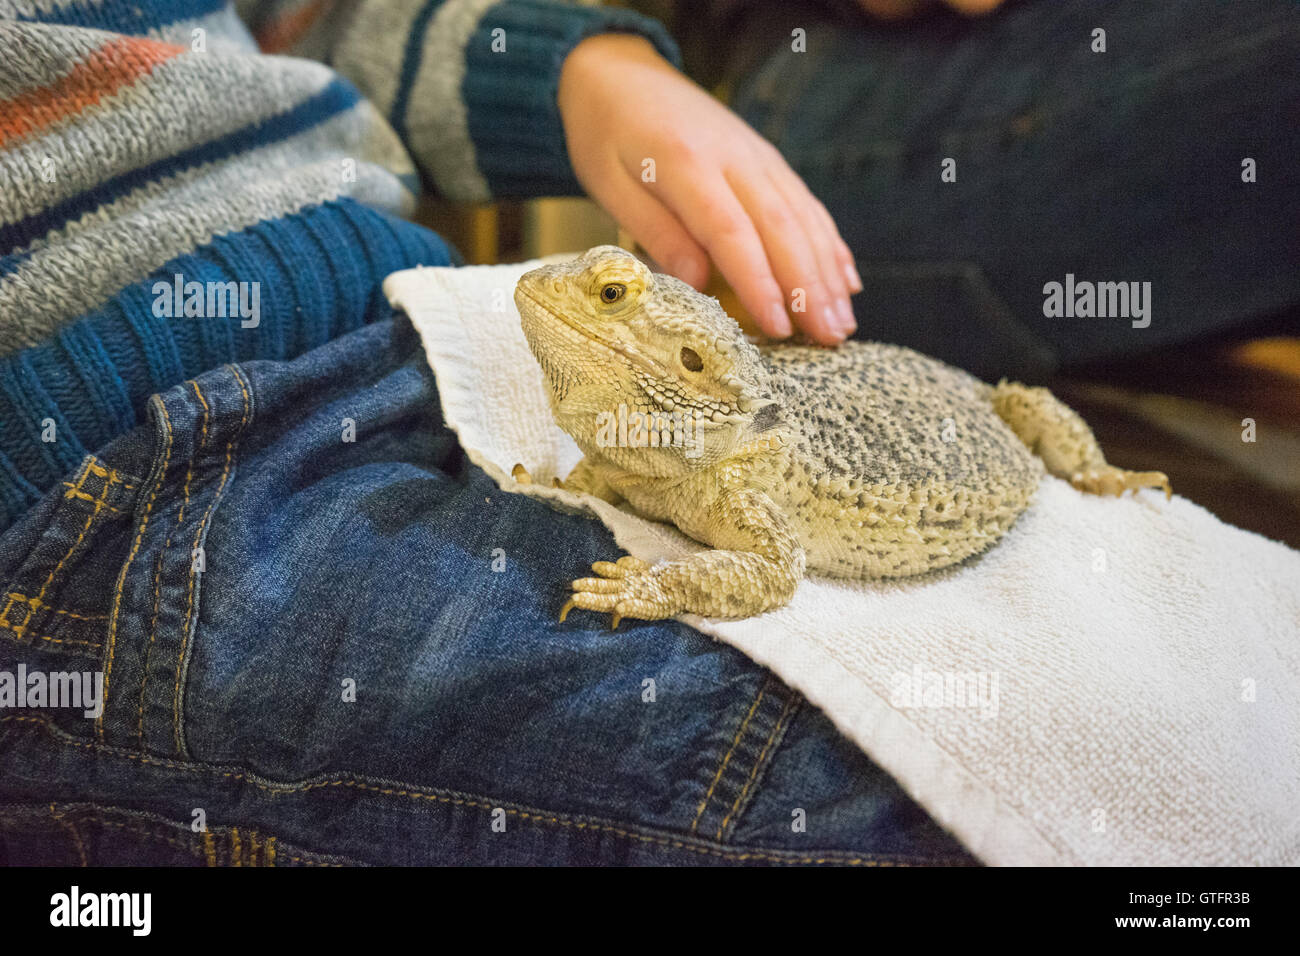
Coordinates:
(520, 474)
(569, 605)
(619, 590)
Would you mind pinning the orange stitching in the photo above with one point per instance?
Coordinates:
(112, 474)
(97, 815)
(198, 533)
(157, 568)
(148, 648)
(753, 773)
(90, 520)
(93, 645)
(235, 858)
(458, 802)
(727, 757)
(98, 502)
(82, 472)
(15, 597)
(76, 837)
(203, 433)
(33, 604)
(121, 578)
(75, 615)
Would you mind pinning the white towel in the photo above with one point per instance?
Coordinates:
(1113, 683)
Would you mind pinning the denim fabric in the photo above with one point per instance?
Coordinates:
(1117, 166)
(390, 564)
(318, 273)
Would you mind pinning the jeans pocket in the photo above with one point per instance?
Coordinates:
(57, 598)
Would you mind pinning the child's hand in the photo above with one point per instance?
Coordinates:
(719, 189)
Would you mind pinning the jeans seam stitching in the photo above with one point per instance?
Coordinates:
(726, 758)
(71, 641)
(116, 610)
(791, 704)
(252, 853)
(528, 814)
(36, 603)
(17, 596)
(71, 829)
(157, 570)
(98, 818)
(33, 604)
(181, 749)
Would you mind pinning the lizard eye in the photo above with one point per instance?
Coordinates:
(691, 360)
(612, 291)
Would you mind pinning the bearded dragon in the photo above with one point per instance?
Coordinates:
(865, 461)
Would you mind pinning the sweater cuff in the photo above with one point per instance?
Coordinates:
(513, 54)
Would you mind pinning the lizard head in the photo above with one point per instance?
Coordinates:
(608, 332)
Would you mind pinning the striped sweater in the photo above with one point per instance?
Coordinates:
(147, 144)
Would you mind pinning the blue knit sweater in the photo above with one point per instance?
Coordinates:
(151, 145)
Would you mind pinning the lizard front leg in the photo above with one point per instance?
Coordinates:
(589, 477)
(755, 566)
(586, 478)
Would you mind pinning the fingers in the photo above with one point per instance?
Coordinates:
(654, 226)
(843, 254)
(768, 235)
(715, 216)
(798, 194)
(830, 252)
(816, 294)
(740, 205)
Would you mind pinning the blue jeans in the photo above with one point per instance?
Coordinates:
(1123, 165)
(328, 638)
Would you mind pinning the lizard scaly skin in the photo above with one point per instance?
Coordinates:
(866, 461)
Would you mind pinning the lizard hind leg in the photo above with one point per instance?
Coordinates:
(1065, 443)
